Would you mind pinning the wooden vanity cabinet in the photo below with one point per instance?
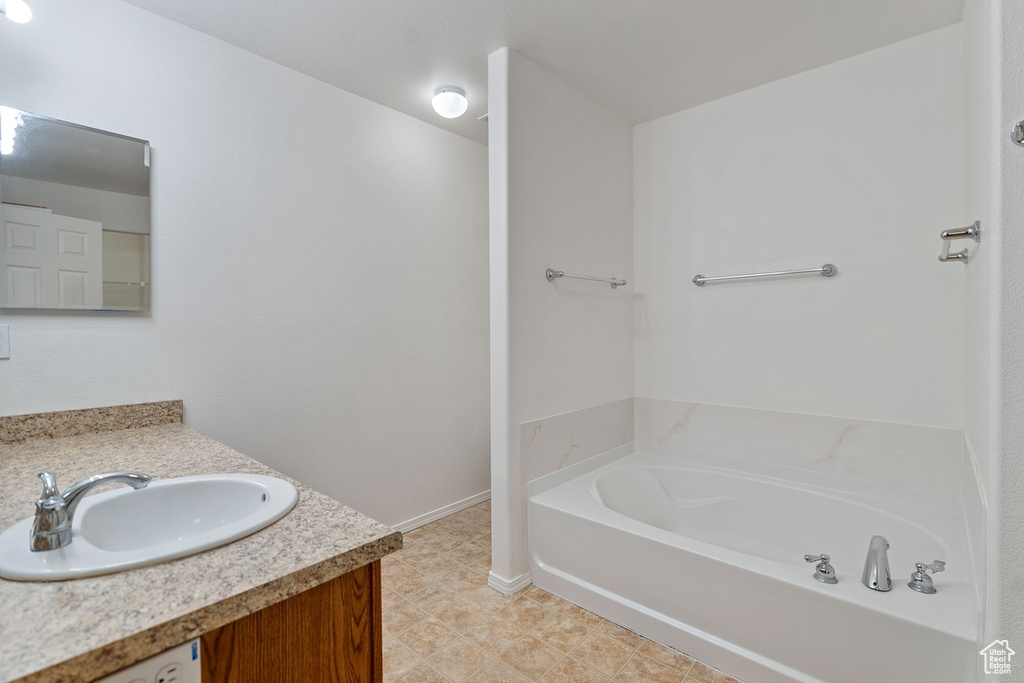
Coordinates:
(330, 633)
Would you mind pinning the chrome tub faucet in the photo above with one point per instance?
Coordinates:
(876, 566)
(51, 527)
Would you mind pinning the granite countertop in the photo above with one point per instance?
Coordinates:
(82, 629)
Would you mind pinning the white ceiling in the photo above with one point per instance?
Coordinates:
(642, 59)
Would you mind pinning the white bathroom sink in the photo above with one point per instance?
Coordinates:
(124, 528)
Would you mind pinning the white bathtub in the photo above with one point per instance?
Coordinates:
(710, 561)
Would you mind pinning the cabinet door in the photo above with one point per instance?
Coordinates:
(49, 260)
(330, 633)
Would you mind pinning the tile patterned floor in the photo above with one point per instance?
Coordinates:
(442, 623)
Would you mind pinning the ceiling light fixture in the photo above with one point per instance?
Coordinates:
(16, 10)
(450, 101)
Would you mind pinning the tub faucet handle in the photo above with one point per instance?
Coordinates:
(824, 572)
(920, 581)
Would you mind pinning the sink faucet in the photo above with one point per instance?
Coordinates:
(876, 566)
(51, 527)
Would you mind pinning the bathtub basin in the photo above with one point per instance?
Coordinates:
(710, 561)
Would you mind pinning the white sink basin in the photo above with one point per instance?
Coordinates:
(123, 528)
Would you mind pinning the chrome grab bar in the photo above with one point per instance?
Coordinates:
(551, 274)
(827, 270)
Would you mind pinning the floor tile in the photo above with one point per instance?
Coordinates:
(398, 659)
(398, 616)
(488, 598)
(450, 524)
(666, 655)
(465, 580)
(495, 634)
(623, 635)
(569, 670)
(438, 568)
(602, 653)
(405, 579)
(561, 631)
(467, 553)
(427, 637)
(423, 673)
(434, 538)
(498, 672)
(433, 597)
(701, 673)
(531, 657)
(549, 600)
(642, 669)
(581, 615)
(460, 615)
(416, 554)
(389, 597)
(459, 660)
(524, 613)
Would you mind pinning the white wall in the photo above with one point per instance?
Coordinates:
(981, 150)
(319, 263)
(994, 103)
(561, 192)
(858, 163)
(1006, 476)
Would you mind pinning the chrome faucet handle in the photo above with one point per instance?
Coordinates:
(51, 527)
(49, 480)
(824, 572)
(920, 581)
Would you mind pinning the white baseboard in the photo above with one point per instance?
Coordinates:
(437, 514)
(508, 587)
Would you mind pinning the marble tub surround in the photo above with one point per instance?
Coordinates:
(101, 624)
(975, 517)
(911, 456)
(20, 428)
(555, 442)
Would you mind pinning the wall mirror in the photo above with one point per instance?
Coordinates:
(74, 216)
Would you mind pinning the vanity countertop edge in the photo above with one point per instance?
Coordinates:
(83, 629)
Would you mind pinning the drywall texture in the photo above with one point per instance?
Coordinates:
(319, 263)
(859, 164)
(566, 204)
(1006, 511)
(570, 208)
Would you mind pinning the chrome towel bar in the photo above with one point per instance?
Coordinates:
(827, 270)
(551, 274)
(971, 232)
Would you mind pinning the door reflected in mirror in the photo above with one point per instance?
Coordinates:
(74, 216)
